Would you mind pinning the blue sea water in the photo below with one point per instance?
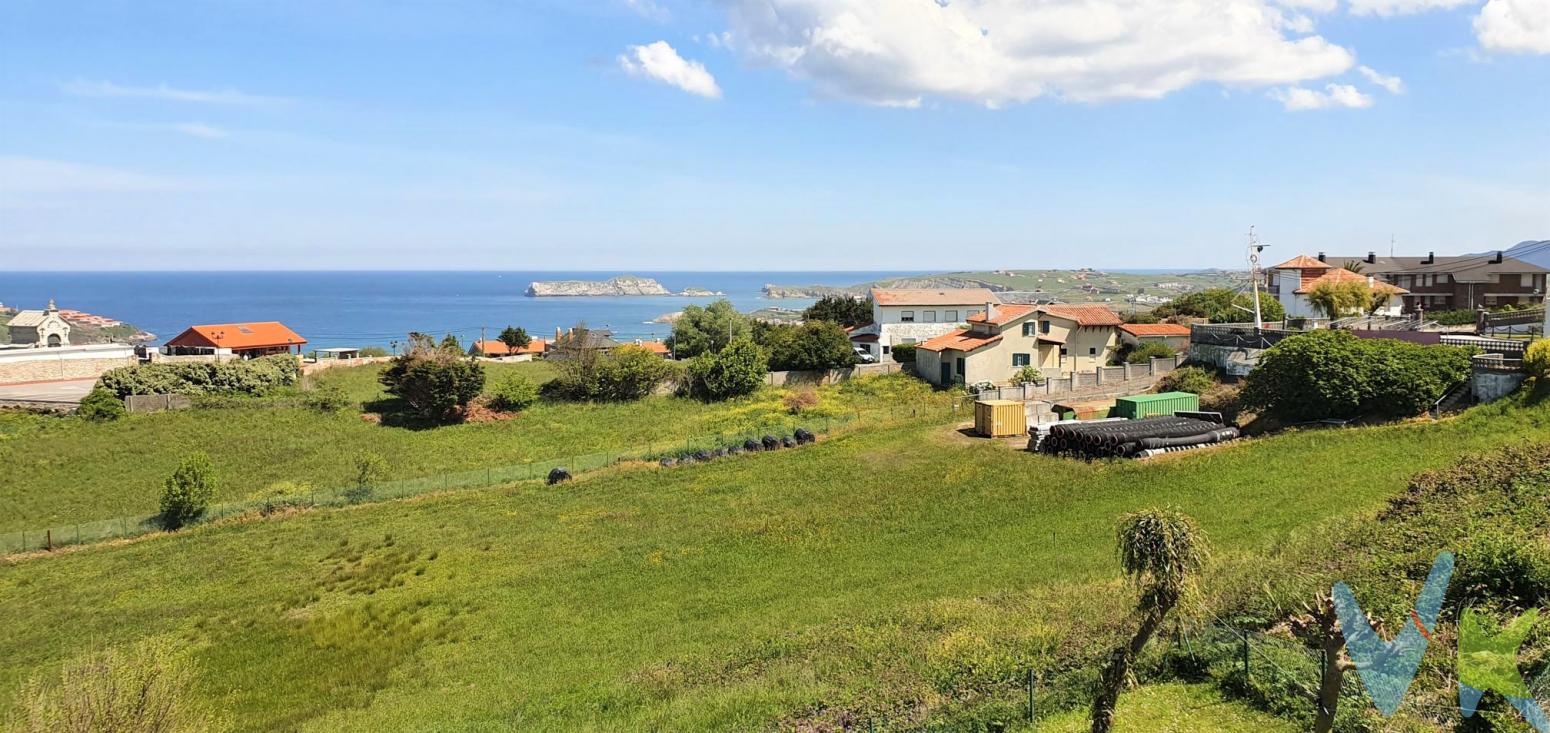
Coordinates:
(375, 308)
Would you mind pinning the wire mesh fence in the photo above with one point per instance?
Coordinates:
(49, 538)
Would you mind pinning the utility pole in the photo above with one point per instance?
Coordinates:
(1254, 249)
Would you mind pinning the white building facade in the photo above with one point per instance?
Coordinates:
(914, 315)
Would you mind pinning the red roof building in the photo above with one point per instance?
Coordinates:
(247, 340)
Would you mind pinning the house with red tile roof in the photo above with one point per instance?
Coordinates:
(235, 340)
(997, 343)
(912, 315)
(497, 349)
(1172, 335)
(1291, 281)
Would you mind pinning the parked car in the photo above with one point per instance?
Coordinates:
(862, 355)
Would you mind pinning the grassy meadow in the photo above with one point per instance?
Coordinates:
(903, 574)
(65, 470)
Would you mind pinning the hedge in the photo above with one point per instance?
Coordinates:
(251, 377)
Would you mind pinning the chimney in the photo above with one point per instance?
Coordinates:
(1321, 257)
(1498, 259)
(1431, 258)
(990, 311)
(1372, 258)
(556, 333)
(1369, 282)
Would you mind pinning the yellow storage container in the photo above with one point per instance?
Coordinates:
(1000, 418)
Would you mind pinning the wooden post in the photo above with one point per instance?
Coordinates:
(48, 540)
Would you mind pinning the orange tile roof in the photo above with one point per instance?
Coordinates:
(959, 340)
(493, 347)
(1155, 329)
(1340, 274)
(933, 296)
(239, 336)
(1004, 314)
(655, 347)
(1302, 262)
(1085, 315)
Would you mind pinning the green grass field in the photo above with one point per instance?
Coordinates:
(897, 574)
(63, 470)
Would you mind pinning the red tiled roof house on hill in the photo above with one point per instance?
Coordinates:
(499, 350)
(912, 315)
(1292, 280)
(235, 341)
(1057, 339)
(1172, 335)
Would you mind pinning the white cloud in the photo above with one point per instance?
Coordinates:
(1520, 26)
(1298, 99)
(1403, 7)
(109, 90)
(660, 62)
(1001, 51)
(36, 175)
(1393, 84)
(1312, 6)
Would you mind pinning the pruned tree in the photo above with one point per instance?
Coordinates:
(1319, 625)
(1160, 550)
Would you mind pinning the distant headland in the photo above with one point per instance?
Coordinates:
(615, 286)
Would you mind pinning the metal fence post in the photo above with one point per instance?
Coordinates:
(1246, 676)
(1031, 720)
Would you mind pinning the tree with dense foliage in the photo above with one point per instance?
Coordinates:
(1335, 374)
(1028, 375)
(904, 353)
(707, 329)
(101, 405)
(450, 343)
(1160, 550)
(734, 371)
(435, 383)
(186, 494)
(1338, 299)
(515, 337)
(1146, 351)
(842, 309)
(814, 345)
(514, 394)
(1221, 305)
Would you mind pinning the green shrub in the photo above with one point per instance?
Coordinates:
(1493, 566)
(707, 329)
(514, 394)
(144, 688)
(1146, 351)
(436, 383)
(1536, 359)
(101, 405)
(282, 495)
(250, 377)
(842, 309)
(737, 370)
(186, 494)
(812, 346)
(623, 374)
(904, 353)
(1220, 305)
(1338, 375)
(1142, 317)
(1465, 317)
(1028, 375)
(374, 351)
(1190, 379)
(330, 398)
(366, 470)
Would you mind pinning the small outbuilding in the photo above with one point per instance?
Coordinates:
(40, 328)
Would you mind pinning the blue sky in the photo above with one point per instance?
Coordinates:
(754, 134)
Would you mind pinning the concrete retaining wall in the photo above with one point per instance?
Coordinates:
(87, 361)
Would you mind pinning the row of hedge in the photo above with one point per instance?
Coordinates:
(1335, 374)
(251, 377)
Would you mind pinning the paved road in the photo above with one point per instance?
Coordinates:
(67, 391)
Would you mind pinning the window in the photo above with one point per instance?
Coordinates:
(928, 316)
(1028, 329)
(1093, 351)
(907, 316)
(1044, 328)
(1526, 280)
(885, 350)
(950, 316)
(1021, 360)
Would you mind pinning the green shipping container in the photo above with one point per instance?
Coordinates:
(1151, 405)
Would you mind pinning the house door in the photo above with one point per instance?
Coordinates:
(961, 374)
(947, 372)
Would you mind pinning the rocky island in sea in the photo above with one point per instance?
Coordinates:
(621, 285)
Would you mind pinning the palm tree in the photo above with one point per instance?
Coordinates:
(1355, 266)
(1160, 550)
(1337, 299)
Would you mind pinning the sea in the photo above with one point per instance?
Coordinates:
(358, 309)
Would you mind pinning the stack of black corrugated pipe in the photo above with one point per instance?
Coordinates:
(1132, 438)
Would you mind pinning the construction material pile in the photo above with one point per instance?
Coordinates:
(1132, 438)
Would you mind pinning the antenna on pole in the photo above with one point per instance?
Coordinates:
(1391, 245)
(1254, 249)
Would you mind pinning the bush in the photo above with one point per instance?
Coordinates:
(374, 351)
(366, 470)
(1337, 375)
(625, 373)
(1497, 567)
(250, 377)
(330, 398)
(1536, 360)
(1465, 317)
(1146, 351)
(143, 688)
(101, 405)
(1028, 375)
(799, 398)
(436, 383)
(736, 370)
(514, 394)
(281, 495)
(186, 494)
(1142, 317)
(1187, 379)
(812, 346)
(904, 353)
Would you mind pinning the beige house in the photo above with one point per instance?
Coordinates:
(40, 328)
(1056, 339)
(913, 315)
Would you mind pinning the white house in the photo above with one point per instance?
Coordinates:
(1055, 339)
(40, 328)
(913, 315)
(1291, 281)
